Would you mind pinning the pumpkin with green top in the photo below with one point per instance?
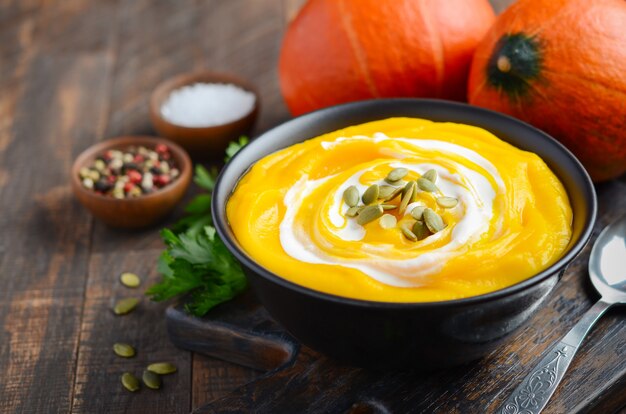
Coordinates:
(560, 65)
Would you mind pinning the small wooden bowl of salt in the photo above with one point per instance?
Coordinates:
(204, 111)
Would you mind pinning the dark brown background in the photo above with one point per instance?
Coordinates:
(76, 72)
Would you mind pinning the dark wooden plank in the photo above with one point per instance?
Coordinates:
(17, 27)
(594, 383)
(53, 104)
(244, 37)
(156, 40)
(98, 386)
(153, 42)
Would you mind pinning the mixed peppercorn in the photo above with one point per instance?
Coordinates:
(130, 173)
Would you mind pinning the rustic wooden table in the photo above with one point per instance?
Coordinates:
(76, 72)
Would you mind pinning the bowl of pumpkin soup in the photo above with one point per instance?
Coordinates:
(404, 232)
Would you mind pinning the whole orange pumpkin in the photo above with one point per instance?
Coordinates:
(561, 66)
(337, 51)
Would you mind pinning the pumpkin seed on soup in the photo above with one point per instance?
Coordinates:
(371, 194)
(426, 185)
(353, 211)
(151, 380)
(447, 202)
(430, 175)
(396, 174)
(407, 232)
(368, 214)
(124, 306)
(162, 368)
(130, 382)
(420, 230)
(387, 207)
(130, 280)
(351, 196)
(123, 350)
(387, 221)
(409, 190)
(394, 194)
(433, 221)
(385, 191)
(417, 212)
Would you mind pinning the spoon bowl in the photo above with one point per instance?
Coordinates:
(608, 253)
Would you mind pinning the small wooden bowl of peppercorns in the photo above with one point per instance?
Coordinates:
(131, 181)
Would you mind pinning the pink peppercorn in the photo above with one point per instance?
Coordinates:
(134, 176)
(161, 180)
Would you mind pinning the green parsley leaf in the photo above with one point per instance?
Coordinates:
(235, 146)
(196, 264)
(205, 178)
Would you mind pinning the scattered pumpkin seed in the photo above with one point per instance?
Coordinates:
(130, 382)
(369, 213)
(387, 221)
(387, 207)
(407, 232)
(417, 212)
(396, 174)
(123, 350)
(151, 380)
(124, 306)
(409, 189)
(130, 280)
(395, 194)
(162, 368)
(420, 230)
(351, 196)
(426, 185)
(447, 202)
(433, 221)
(371, 194)
(414, 195)
(385, 191)
(430, 175)
(353, 211)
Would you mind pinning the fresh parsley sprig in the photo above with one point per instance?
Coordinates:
(196, 264)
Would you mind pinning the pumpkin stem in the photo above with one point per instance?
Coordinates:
(504, 64)
(516, 61)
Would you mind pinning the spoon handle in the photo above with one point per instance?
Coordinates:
(532, 395)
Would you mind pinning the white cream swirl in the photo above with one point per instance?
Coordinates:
(473, 215)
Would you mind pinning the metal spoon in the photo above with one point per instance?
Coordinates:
(607, 269)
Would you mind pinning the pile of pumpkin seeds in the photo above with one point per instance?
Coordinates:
(377, 199)
(151, 376)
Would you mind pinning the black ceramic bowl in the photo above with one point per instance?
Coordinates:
(424, 335)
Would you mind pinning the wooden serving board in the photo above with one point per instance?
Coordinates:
(299, 380)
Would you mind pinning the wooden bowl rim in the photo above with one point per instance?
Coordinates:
(181, 156)
(163, 90)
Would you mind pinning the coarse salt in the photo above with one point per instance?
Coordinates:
(207, 104)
